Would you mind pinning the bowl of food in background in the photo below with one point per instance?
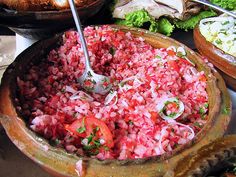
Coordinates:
(215, 38)
(42, 19)
(166, 103)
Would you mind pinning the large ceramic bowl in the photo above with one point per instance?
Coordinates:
(226, 63)
(60, 163)
(43, 24)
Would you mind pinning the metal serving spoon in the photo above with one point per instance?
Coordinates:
(89, 80)
(207, 3)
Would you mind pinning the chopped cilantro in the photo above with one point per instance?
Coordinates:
(122, 84)
(225, 23)
(94, 82)
(63, 90)
(206, 105)
(87, 147)
(172, 114)
(90, 138)
(97, 128)
(55, 142)
(97, 143)
(175, 145)
(218, 41)
(131, 122)
(226, 110)
(81, 129)
(112, 51)
(106, 148)
(201, 111)
(89, 74)
(197, 124)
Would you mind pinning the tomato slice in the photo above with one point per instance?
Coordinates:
(171, 52)
(77, 127)
(154, 116)
(84, 127)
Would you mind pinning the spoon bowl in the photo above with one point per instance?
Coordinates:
(95, 82)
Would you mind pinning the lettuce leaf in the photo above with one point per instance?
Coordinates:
(165, 27)
(226, 4)
(194, 20)
(141, 18)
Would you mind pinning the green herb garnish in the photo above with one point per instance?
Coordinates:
(90, 138)
(112, 51)
(225, 23)
(81, 130)
(131, 122)
(202, 111)
(226, 110)
(218, 41)
(197, 124)
(206, 105)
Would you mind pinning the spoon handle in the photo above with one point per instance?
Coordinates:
(81, 34)
(207, 3)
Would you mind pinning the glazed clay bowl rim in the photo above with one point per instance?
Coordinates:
(222, 60)
(26, 140)
(208, 157)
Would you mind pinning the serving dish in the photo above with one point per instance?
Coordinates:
(223, 61)
(60, 163)
(42, 24)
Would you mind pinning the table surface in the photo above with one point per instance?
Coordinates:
(12, 162)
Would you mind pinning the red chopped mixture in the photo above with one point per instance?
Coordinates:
(158, 100)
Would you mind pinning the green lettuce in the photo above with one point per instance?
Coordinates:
(226, 4)
(163, 25)
(194, 20)
(141, 18)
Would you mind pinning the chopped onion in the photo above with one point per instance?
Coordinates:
(173, 48)
(161, 137)
(182, 51)
(183, 125)
(128, 79)
(127, 87)
(70, 89)
(110, 97)
(214, 19)
(77, 96)
(162, 105)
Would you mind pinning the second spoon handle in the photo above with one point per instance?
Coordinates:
(80, 31)
(207, 3)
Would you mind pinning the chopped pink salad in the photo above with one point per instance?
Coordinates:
(158, 101)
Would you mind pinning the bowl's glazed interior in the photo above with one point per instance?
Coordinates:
(60, 163)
